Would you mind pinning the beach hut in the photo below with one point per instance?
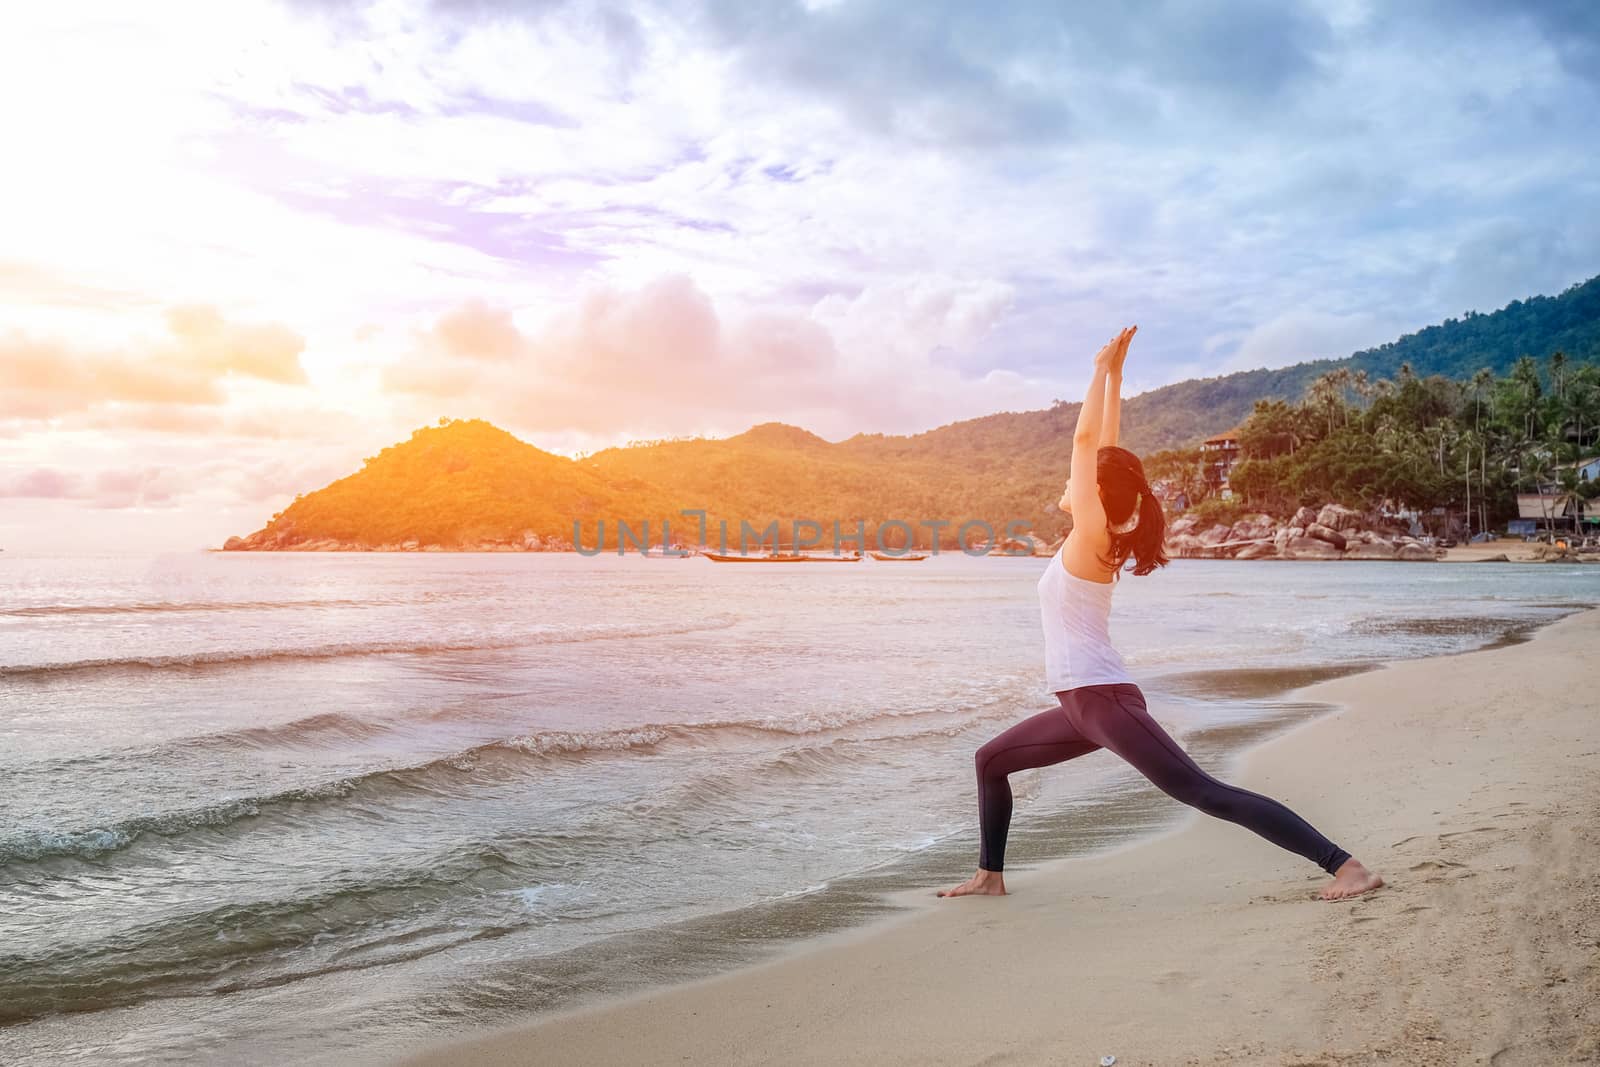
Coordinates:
(1554, 509)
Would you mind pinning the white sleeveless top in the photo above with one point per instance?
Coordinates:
(1077, 640)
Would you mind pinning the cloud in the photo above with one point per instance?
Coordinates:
(41, 483)
(47, 379)
(1509, 254)
(205, 342)
(112, 488)
(141, 487)
(1023, 75)
(662, 358)
(477, 331)
(1298, 336)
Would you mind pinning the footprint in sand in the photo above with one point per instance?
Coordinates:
(1434, 865)
(1474, 830)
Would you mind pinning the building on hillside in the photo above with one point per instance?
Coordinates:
(1219, 454)
(1588, 469)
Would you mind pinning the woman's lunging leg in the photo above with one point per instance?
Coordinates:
(1039, 741)
(1116, 717)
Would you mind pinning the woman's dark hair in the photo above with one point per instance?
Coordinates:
(1122, 489)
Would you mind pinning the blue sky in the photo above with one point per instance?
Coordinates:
(253, 242)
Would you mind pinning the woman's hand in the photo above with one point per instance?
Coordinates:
(1115, 351)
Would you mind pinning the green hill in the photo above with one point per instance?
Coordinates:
(467, 482)
(463, 482)
(1189, 411)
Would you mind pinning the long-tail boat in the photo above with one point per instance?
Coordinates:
(780, 557)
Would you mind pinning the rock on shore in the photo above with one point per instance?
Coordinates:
(284, 538)
(1330, 532)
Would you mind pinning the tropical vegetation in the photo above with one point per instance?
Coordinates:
(1467, 446)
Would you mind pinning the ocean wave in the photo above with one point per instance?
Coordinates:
(157, 607)
(444, 772)
(33, 845)
(324, 726)
(254, 944)
(337, 650)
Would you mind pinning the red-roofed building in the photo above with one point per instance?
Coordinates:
(1220, 453)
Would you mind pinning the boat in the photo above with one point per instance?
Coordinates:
(780, 557)
(886, 558)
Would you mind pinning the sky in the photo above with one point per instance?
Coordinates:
(246, 245)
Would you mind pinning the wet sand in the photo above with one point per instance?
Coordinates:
(1471, 782)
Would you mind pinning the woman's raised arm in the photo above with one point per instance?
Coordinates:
(1084, 491)
(1111, 429)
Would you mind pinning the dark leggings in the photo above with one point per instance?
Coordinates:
(1114, 717)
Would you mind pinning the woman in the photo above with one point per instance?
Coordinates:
(1115, 517)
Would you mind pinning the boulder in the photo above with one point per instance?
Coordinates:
(1339, 517)
(1252, 527)
(320, 544)
(1026, 545)
(235, 544)
(1281, 539)
(1309, 548)
(1186, 524)
(1185, 546)
(1215, 536)
(1415, 553)
(1370, 550)
(1304, 517)
(1257, 551)
(1501, 558)
(1323, 532)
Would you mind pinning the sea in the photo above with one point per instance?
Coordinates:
(325, 808)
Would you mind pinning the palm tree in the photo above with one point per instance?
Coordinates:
(1583, 404)
(1342, 380)
(1569, 497)
(1480, 381)
(1525, 378)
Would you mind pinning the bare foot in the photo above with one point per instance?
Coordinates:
(984, 883)
(1350, 880)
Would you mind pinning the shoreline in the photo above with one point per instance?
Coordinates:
(1492, 552)
(1216, 922)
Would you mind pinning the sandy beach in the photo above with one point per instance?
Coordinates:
(1471, 783)
(1488, 551)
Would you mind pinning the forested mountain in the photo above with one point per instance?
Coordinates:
(1189, 411)
(458, 483)
(466, 482)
